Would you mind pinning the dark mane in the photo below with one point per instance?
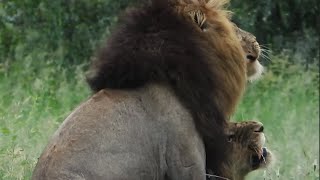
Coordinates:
(155, 44)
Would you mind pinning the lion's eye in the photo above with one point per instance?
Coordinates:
(231, 138)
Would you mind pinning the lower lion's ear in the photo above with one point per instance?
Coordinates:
(199, 18)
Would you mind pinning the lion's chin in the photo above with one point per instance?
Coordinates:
(258, 70)
(261, 160)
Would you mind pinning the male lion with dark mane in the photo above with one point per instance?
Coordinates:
(165, 84)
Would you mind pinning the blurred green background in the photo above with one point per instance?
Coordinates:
(46, 47)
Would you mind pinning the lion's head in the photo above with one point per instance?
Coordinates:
(245, 150)
(252, 52)
(247, 40)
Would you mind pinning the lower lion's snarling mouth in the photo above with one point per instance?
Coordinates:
(257, 159)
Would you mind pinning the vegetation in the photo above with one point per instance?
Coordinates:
(286, 101)
(45, 48)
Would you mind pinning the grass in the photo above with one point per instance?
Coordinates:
(37, 95)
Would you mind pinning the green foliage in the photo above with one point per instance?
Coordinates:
(78, 26)
(277, 17)
(74, 26)
(35, 97)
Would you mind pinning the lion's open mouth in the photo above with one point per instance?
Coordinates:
(260, 158)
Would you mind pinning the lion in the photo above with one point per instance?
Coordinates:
(245, 151)
(165, 84)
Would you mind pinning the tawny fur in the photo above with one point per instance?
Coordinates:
(161, 43)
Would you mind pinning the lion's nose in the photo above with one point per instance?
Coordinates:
(259, 129)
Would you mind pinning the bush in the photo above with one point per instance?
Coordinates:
(74, 27)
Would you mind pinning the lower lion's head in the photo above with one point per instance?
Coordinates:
(245, 150)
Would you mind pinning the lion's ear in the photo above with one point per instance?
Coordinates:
(199, 18)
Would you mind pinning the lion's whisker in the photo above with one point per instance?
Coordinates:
(211, 175)
(266, 50)
(263, 50)
(265, 45)
(265, 56)
(265, 53)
